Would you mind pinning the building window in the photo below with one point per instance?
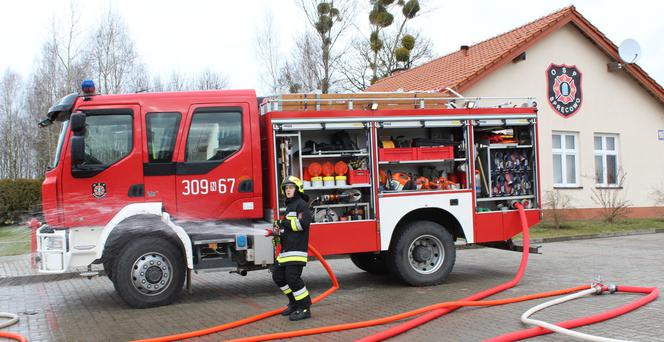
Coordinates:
(606, 159)
(565, 159)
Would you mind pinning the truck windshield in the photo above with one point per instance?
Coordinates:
(61, 140)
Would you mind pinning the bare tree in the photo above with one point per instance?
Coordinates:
(113, 56)
(301, 73)
(177, 82)
(612, 199)
(391, 46)
(268, 52)
(331, 21)
(658, 195)
(209, 79)
(16, 160)
(556, 202)
(60, 68)
(139, 79)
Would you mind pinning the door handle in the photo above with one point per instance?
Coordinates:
(246, 185)
(136, 190)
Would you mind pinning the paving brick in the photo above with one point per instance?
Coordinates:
(79, 309)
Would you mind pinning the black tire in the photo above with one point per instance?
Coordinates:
(371, 262)
(162, 281)
(422, 253)
(109, 266)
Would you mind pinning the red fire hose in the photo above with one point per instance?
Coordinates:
(403, 327)
(13, 336)
(244, 321)
(652, 293)
(443, 308)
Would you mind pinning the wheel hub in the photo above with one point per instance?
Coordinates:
(426, 254)
(422, 254)
(151, 273)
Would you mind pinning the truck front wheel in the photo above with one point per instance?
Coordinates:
(422, 253)
(149, 273)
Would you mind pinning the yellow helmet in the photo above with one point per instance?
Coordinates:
(292, 180)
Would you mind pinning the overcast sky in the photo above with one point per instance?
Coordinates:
(189, 36)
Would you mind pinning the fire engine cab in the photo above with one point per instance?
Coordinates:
(152, 186)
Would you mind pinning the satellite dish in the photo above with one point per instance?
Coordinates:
(629, 51)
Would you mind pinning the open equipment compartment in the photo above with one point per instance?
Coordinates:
(417, 156)
(505, 164)
(334, 162)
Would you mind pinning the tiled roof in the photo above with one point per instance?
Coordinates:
(460, 69)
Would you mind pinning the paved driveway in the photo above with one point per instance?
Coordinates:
(81, 309)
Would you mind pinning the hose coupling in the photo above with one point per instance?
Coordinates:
(613, 288)
(599, 288)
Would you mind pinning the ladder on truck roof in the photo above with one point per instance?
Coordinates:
(373, 101)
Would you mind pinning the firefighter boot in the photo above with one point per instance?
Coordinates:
(300, 314)
(292, 306)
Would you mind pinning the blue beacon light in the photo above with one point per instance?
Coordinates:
(88, 87)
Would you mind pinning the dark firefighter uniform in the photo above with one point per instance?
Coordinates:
(294, 236)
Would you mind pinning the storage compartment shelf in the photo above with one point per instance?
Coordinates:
(506, 198)
(420, 161)
(335, 155)
(341, 205)
(351, 186)
(498, 146)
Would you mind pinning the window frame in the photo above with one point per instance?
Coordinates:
(218, 110)
(603, 152)
(148, 135)
(87, 171)
(202, 167)
(564, 152)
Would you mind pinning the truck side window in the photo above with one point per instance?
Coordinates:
(108, 138)
(161, 135)
(214, 135)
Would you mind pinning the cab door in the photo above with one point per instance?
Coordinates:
(111, 176)
(214, 173)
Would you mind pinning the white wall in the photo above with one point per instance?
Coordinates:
(613, 102)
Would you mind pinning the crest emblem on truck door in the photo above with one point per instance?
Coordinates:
(99, 190)
(564, 89)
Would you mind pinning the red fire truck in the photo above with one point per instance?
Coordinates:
(155, 185)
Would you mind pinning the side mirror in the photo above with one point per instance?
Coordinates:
(77, 123)
(77, 150)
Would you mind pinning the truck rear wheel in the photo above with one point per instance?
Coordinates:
(422, 253)
(371, 262)
(149, 273)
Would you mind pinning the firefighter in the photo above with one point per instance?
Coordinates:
(293, 232)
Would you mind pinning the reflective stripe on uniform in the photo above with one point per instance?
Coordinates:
(293, 253)
(294, 222)
(292, 256)
(301, 293)
(283, 260)
(286, 289)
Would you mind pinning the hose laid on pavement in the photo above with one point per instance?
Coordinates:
(525, 318)
(409, 314)
(435, 310)
(401, 328)
(235, 324)
(651, 294)
(13, 319)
